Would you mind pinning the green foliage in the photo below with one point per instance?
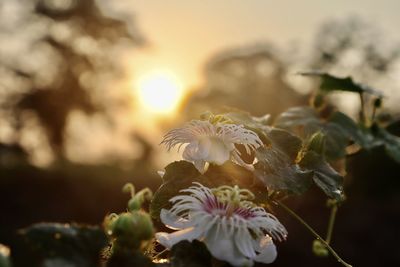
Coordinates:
(278, 172)
(129, 258)
(338, 129)
(181, 174)
(332, 83)
(49, 244)
(324, 176)
(288, 166)
(133, 230)
(277, 166)
(390, 142)
(190, 254)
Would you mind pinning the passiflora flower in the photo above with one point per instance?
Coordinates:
(232, 227)
(212, 143)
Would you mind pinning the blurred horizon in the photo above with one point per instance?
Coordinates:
(142, 67)
(183, 35)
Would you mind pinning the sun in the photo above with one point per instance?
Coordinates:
(160, 92)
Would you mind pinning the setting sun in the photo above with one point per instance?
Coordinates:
(160, 92)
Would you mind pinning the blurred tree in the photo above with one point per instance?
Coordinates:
(262, 79)
(353, 46)
(251, 79)
(65, 53)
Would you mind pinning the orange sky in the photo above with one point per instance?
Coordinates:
(184, 33)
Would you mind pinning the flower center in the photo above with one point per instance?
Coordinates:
(229, 200)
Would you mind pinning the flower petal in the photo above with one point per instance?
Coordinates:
(218, 153)
(267, 250)
(172, 221)
(169, 240)
(244, 243)
(222, 246)
(196, 150)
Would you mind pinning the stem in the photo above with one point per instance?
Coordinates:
(317, 236)
(159, 254)
(363, 117)
(331, 223)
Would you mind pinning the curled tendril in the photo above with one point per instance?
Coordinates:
(129, 188)
(137, 199)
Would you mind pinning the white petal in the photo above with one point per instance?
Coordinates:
(169, 240)
(244, 243)
(267, 250)
(222, 246)
(239, 161)
(219, 153)
(201, 166)
(197, 150)
(172, 221)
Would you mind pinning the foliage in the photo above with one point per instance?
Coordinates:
(48, 244)
(296, 152)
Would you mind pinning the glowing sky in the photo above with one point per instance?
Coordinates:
(183, 34)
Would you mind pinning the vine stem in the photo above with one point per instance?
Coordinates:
(331, 223)
(363, 116)
(317, 236)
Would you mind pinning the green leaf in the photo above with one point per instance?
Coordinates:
(179, 170)
(182, 174)
(332, 83)
(72, 245)
(338, 129)
(303, 121)
(178, 175)
(190, 254)
(350, 127)
(278, 172)
(285, 142)
(324, 176)
(129, 258)
(276, 166)
(390, 142)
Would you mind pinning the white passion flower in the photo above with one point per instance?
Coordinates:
(209, 143)
(232, 227)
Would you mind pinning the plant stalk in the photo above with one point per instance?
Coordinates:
(363, 117)
(317, 236)
(331, 224)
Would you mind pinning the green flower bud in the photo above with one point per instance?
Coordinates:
(144, 224)
(4, 256)
(130, 229)
(319, 249)
(136, 201)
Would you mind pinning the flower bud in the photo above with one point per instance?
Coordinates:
(131, 228)
(4, 256)
(319, 249)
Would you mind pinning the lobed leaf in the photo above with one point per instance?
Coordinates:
(323, 175)
(332, 83)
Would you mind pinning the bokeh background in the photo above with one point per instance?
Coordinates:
(87, 89)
